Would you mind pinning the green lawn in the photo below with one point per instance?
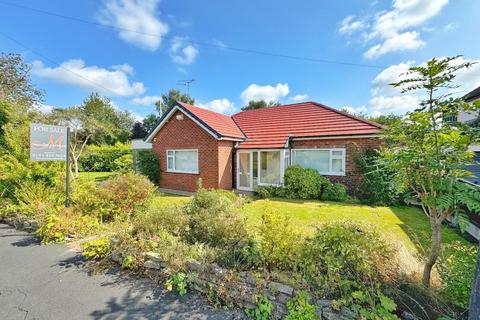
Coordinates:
(404, 225)
(95, 176)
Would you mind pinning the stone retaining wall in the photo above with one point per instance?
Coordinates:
(240, 289)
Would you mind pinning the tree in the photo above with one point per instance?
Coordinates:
(150, 122)
(15, 84)
(141, 129)
(96, 120)
(385, 120)
(17, 99)
(170, 98)
(260, 104)
(138, 131)
(427, 155)
(119, 122)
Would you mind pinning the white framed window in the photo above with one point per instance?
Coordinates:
(270, 167)
(182, 161)
(326, 161)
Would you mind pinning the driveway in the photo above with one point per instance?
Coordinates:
(49, 282)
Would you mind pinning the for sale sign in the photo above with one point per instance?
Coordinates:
(48, 143)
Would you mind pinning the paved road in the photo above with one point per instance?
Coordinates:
(49, 282)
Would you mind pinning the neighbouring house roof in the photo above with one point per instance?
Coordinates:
(271, 127)
(472, 95)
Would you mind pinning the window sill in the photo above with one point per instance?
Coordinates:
(336, 174)
(183, 172)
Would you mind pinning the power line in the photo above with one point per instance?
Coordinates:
(56, 63)
(200, 43)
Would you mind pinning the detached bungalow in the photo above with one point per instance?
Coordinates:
(253, 148)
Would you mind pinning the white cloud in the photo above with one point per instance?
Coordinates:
(349, 25)
(398, 42)
(146, 100)
(136, 116)
(395, 29)
(110, 82)
(299, 97)
(126, 68)
(267, 93)
(386, 99)
(44, 108)
(136, 20)
(355, 111)
(219, 105)
(449, 26)
(182, 52)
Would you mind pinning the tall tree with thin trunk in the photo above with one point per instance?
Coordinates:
(95, 120)
(429, 155)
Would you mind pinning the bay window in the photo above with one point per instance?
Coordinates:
(326, 161)
(182, 161)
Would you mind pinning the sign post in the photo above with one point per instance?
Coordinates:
(51, 143)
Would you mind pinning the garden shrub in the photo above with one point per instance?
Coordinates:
(102, 158)
(118, 197)
(456, 271)
(280, 242)
(306, 183)
(303, 183)
(96, 249)
(262, 311)
(67, 222)
(265, 192)
(176, 252)
(171, 218)
(127, 244)
(124, 163)
(48, 231)
(216, 218)
(300, 309)
(335, 192)
(341, 256)
(34, 198)
(378, 185)
(179, 281)
(247, 256)
(148, 165)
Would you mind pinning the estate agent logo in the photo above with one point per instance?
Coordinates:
(48, 143)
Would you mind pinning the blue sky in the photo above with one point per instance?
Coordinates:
(134, 50)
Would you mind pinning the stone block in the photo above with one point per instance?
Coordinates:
(280, 287)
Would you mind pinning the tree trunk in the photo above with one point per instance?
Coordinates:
(474, 311)
(434, 252)
(75, 165)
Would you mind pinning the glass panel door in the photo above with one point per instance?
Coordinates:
(244, 168)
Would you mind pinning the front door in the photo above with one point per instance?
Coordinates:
(244, 170)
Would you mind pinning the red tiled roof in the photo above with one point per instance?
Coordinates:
(222, 124)
(270, 127)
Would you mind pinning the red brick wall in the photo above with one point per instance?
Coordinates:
(186, 134)
(225, 164)
(352, 147)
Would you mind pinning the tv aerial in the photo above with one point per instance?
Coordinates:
(186, 84)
